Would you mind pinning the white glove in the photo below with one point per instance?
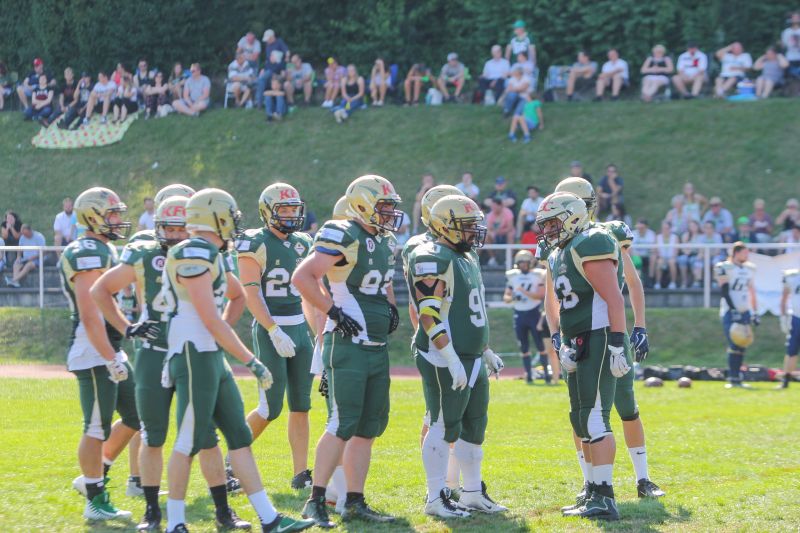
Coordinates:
(492, 361)
(455, 367)
(283, 343)
(566, 356)
(317, 367)
(117, 370)
(786, 324)
(261, 372)
(619, 363)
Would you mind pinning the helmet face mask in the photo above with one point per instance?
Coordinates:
(170, 221)
(170, 234)
(115, 230)
(458, 220)
(281, 208)
(373, 201)
(561, 216)
(101, 212)
(387, 217)
(524, 257)
(473, 234)
(551, 232)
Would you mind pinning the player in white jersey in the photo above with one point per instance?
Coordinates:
(790, 322)
(737, 307)
(525, 291)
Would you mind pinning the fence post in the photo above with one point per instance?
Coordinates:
(706, 277)
(508, 257)
(41, 278)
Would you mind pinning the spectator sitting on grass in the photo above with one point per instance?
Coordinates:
(735, 64)
(126, 101)
(761, 222)
(276, 52)
(177, 79)
(687, 255)
(41, 102)
(467, 186)
(240, 76)
(643, 235)
(721, 217)
(610, 189)
(495, 72)
(118, 74)
(521, 43)
(517, 89)
(378, 82)
(67, 93)
(80, 101)
(743, 231)
(275, 100)
(655, 72)
(334, 73)
(678, 216)
(790, 216)
(64, 231)
(692, 67)
(499, 227)
(143, 77)
(708, 236)
(352, 87)
(503, 193)
(156, 95)
(528, 68)
(10, 231)
(528, 209)
(580, 74)
(31, 81)
(790, 37)
(693, 203)
(452, 74)
(527, 117)
(299, 76)
(412, 86)
(5, 85)
(251, 48)
(771, 64)
(147, 219)
(576, 171)
(614, 74)
(27, 260)
(666, 255)
(426, 183)
(196, 92)
(102, 93)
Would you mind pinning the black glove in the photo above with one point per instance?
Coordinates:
(555, 338)
(394, 318)
(148, 329)
(345, 324)
(323, 384)
(640, 345)
(741, 318)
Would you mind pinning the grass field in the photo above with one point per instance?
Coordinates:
(727, 459)
(736, 150)
(677, 336)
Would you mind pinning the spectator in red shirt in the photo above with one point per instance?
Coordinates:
(500, 227)
(530, 236)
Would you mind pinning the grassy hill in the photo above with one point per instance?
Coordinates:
(736, 150)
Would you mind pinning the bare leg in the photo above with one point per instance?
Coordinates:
(634, 433)
(616, 85)
(767, 89)
(298, 440)
(178, 470)
(119, 437)
(213, 466)
(151, 462)
(134, 446)
(256, 423)
(357, 456)
(677, 80)
(329, 452)
(90, 457)
(697, 85)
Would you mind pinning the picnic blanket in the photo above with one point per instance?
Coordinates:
(92, 134)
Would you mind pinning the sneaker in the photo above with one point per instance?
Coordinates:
(492, 262)
(134, 488)
(180, 528)
(598, 507)
(284, 524)
(302, 480)
(151, 521)
(783, 385)
(580, 500)
(738, 385)
(327, 104)
(443, 507)
(512, 138)
(231, 482)
(85, 121)
(526, 139)
(315, 510)
(647, 489)
(103, 120)
(231, 521)
(101, 508)
(277, 116)
(454, 494)
(657, 286)
(360, 509)
(672, 285)
(479, 500)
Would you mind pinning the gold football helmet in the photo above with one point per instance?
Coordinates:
(583, 190)
(741, 334)
(372, 200)
(280, 195)
(170, 212)
(341, 209)
(94, 208)
(524, 256)
(561, 216)
(433, 195)
(216, 211)
(457, 219)
(174, 189)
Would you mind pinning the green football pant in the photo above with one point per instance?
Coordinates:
(291, 375)
(624, 399)
(463, 412)
(100, 397)
(207, 396)
(358, 387)
(592, 388)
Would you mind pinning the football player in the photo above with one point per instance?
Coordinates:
(452, 354)
(790, 322)
(267, 259)
(174, 189)
(196, 283)
(584, 266)
(142, 263)
(105, 379)
(737, 308)
(525, 288)
(624, 398)
(357, 258)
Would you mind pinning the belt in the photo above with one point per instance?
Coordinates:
(149, 346)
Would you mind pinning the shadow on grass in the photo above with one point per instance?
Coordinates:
(644, 516)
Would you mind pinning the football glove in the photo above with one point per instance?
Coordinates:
(455, 367)
(394, 318)
(492, 361)
(147, 329)
(640, 345)
(786, 324)
(739, 317)
(555, 338)
(117, 371)
(345, 324)
(323, 384)
(282, 342)
(566, 356)
(261, 373)
(616, 348)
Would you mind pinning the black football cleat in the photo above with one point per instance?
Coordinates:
(647, 489)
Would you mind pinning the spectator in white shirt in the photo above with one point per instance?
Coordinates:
(298, 76)
(28, 260)
(614, 74)
(692, 67)
(64, 224)
(528, 209)
(146, 221)
(241, 77)
(666, 256)
(790, 37)
(495, 72)
(644, 236)
(735, 64)
(468, 187)
(102, 93)
(251, 48)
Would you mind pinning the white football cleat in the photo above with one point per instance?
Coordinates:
(442, 507)
(479, 500)
(101, 508)
(79, 484)
(134, 489)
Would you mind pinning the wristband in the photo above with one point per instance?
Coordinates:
(273, 328)
(616, 339)
(448, 352)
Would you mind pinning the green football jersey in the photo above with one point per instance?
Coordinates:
(277, 258)
(143, 235)
(359, 281)
(581, 309)
(147, 259)
(463, 308)
(620, 231)
(410, 246)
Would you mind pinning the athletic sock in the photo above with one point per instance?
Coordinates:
(263, 507)
(151, 496)
(136, 480)
(639, 460)
(94, 486)
(584, 467)
(354, 497)
(786, 379)
(220, 496)
(453, 471)
(176, 513)
(544, 362)
(526, 362)
(339, 484)
(603, 479)
(435, 458)
(107, 463)
(317, 492)
(469, 458)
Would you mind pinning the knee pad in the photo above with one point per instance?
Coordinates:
(467, 452)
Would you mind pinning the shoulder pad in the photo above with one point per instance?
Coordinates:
(194, 249)
(428, 260)
(144, 235)
(336, 232)
(249, 241)
(512, 272)
(595, 242)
